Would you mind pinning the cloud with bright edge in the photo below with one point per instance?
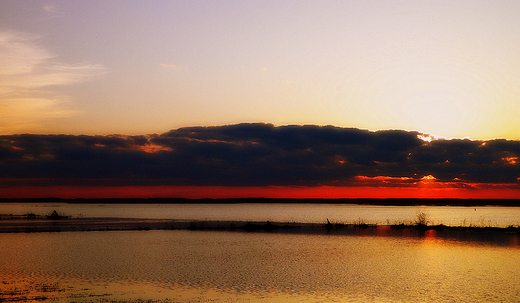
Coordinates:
(260, 155)
(27, 74)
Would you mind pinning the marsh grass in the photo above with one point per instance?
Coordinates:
(422, 219)
(56, 216)
(361, 223)
(30, 216)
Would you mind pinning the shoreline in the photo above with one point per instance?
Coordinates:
(359, 201)
(43, 224)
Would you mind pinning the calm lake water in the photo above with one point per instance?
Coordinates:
(209, 266)
(205, 266)
(301, 213)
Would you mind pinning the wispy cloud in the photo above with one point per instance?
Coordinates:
(19, 54)
(51, 8)
(170, 67)
(51, 11)
(26, 78)
(20, 112)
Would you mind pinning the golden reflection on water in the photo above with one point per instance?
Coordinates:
(430, 234)
(35, 288)
(203, 266)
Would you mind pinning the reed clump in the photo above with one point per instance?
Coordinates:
(422, 219)
(56, 216)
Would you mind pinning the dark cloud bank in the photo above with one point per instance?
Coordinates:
(255, 155)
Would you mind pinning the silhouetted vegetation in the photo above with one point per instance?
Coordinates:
(54, 223)
(30, 216)
(360, 223)
(55, 216)
(422, 219)
(329, 225)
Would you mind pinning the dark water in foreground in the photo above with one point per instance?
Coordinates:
(207, 266)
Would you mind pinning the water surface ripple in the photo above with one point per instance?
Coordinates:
(305, 267)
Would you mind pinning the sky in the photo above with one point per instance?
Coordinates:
(74, 74)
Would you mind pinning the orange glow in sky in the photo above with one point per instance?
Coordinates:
(219, 192)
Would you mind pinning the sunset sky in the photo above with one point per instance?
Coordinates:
(133, 87)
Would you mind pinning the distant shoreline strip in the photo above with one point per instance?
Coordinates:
(360, 201)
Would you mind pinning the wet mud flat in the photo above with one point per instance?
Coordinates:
(35, 288)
